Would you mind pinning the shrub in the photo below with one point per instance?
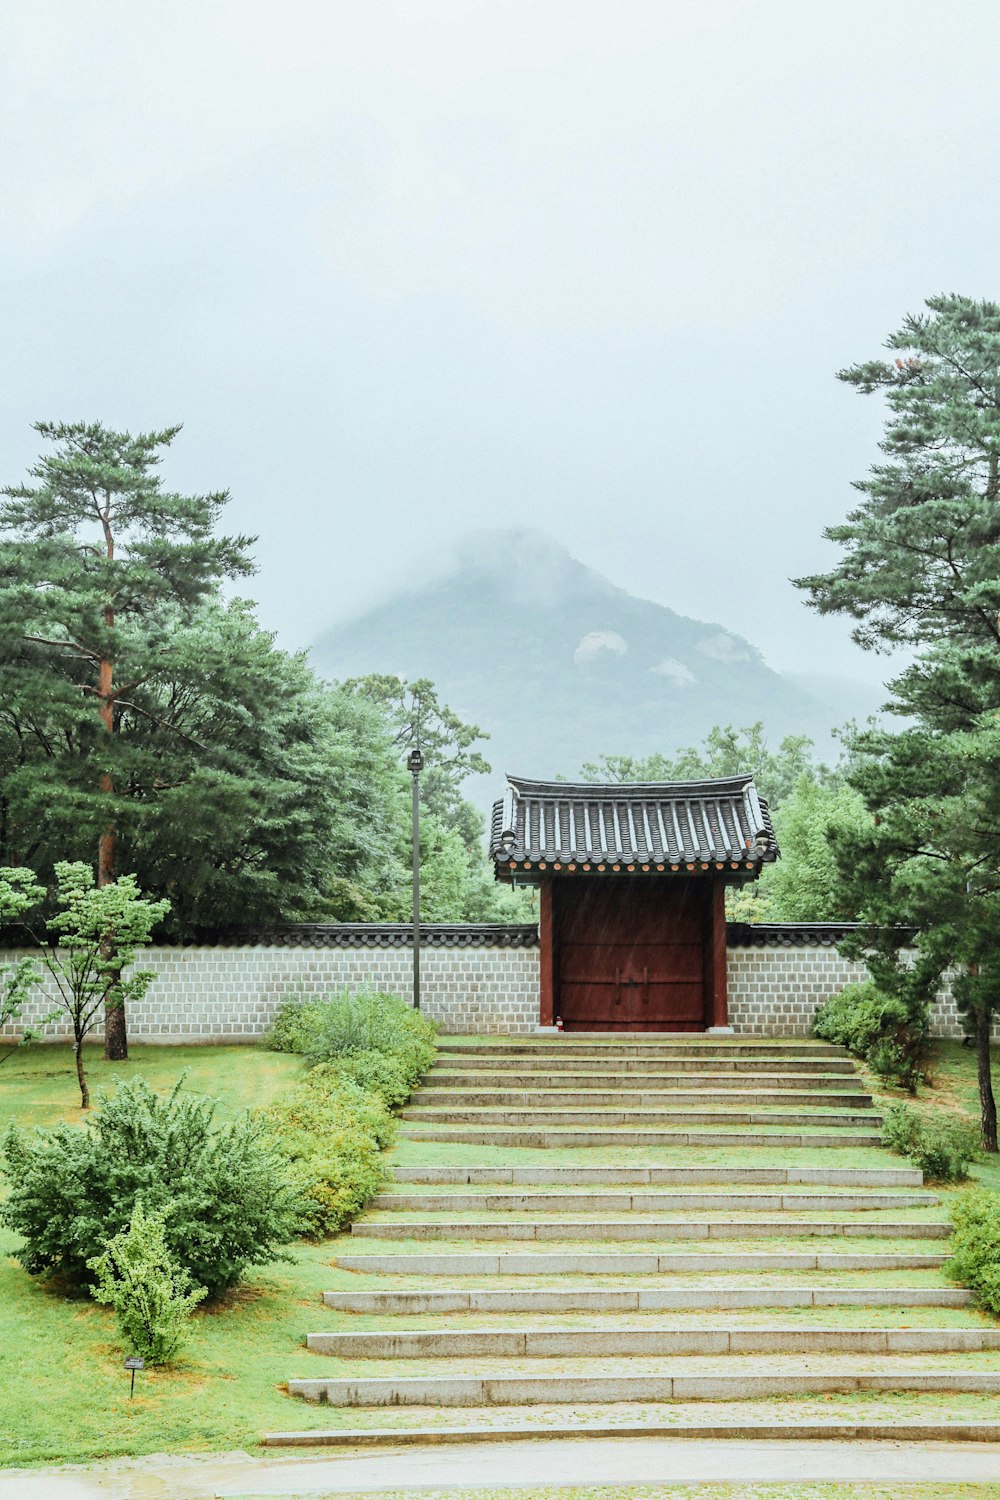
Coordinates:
(942, 1148)
(975, 1262)
(346, 1026)
(332, 1132)
(878, 1028)
(293, 1026)
(222, 1189)
(151, 1294)
(379, 1074)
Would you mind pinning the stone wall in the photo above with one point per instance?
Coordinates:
(472, 980)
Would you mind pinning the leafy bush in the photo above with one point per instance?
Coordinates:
(976, 1241)
(892, 1039)
(346, 1025)
(222, 1190)
(332, 1132)
(379, 1074)
(151, 1294)
(940, 1147)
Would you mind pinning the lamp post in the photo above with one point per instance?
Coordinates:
(415, 764)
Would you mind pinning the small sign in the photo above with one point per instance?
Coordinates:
(134, 1363)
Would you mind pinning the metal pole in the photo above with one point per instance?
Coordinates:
(415, 764)
(416, 890)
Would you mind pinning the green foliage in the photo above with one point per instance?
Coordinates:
(332, 1131)
(221, 1188)
(892, 1038)
(368, 1021)
(805, 885)
(19, 892)
(151, 1294)
(725, 751)
(98, 930)
(368, 1051)
(975, 1260)
(942, 1148)
(920, 567)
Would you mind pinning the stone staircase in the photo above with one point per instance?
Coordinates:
(729, 1254)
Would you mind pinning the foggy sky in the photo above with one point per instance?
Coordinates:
(406, 270)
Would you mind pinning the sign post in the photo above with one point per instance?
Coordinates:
(134, 1363)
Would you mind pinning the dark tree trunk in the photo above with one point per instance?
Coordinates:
(987, 1102)
(81, 1077)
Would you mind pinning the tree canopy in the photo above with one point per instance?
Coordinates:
(920, 567)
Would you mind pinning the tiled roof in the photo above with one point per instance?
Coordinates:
(663, 826)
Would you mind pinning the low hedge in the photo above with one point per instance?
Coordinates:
(975, 1262)
(367, 1052)
(333, 1133)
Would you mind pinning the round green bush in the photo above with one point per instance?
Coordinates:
(222, 1190)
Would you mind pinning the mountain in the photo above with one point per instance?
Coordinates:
(560, 665)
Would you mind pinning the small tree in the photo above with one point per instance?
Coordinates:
(98, 929)
(152, 1295)
(19, 892)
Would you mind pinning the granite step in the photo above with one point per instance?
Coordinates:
(676, 1381)
(566, 1078)
(645, 1230)
(597, 1201)
(788, 1067)
(639, 1342)
(681, 1176)
(544, 1263)
(498, 1425)
(641, 1046)
(659, 1098)
(549, 1138)
(708, 1295)
(636, 1118)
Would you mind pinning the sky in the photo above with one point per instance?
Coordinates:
(406, 269)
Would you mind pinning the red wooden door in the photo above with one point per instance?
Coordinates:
(630, 954)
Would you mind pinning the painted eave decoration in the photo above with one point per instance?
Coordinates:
(633, 828)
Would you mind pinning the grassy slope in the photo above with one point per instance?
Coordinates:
(714, 1491)
(953, 1090)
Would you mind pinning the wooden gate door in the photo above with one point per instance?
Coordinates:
(630, 954)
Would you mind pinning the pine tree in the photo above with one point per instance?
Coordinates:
(920, 568)
(96, 550)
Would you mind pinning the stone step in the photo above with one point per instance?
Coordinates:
(794, 1427)
(708, 1295)
(547, 1139)
(645, 1342)
(674, 1383)
(461, 1100)
(790, 1067)
(632, 1263)
(686, 1176)
(610, 1202)
(638, 1117)
(642, 1045)
(741, 1078)
(645, 1230)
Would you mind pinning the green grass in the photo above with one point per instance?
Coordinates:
(38, 1084)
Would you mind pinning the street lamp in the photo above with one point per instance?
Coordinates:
(415, 764)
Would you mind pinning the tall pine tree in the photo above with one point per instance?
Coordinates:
(97, 550)
(920, 568)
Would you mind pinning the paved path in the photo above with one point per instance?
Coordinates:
(600, 1461)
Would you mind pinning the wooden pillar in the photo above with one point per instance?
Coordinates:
(715, 975)
(546, 940)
